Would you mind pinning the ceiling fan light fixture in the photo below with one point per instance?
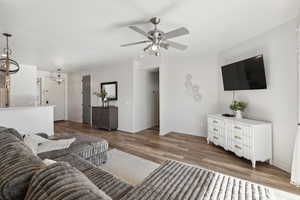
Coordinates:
(155, 47)
(159, 39)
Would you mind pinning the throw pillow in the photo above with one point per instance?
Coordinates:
(61, 181)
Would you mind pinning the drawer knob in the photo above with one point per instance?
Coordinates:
(238, 147)
(237, 137)
(214, 121)
(236, 127)
(215, 129)
(216, 138)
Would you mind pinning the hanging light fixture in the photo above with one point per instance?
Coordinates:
(58, 78)
(8, 66)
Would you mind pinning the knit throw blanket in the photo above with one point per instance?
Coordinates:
(175, 180)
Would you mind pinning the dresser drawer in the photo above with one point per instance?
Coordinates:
(241, 129)
(216, 130)
(237, 148)
(216, 121)
(241, 138)
(217, 139)
(240, 149)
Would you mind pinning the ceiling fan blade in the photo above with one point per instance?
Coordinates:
(137, 29)
(176, 33)
(135, 43)
(164, 45)
(176, 45)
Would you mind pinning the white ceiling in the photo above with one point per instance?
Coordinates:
(88, 33)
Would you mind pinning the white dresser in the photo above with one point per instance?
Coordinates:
(250, 139)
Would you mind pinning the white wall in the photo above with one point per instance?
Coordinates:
(123, 74)
(278, 103)
(23, 86)
(145, 103)
(179, 111)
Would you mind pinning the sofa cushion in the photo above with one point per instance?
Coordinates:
(110, 184)
(17, 164)
(61, 181)
(11, 131)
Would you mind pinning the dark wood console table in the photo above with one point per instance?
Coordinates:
(105, 117)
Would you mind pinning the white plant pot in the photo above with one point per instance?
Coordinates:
(238, 114)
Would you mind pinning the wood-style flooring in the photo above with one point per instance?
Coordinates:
(186, 148)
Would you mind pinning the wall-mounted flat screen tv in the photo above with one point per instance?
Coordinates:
(247, 74)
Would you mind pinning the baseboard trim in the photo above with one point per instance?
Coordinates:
(281, 165)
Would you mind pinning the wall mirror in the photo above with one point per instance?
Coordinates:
(112, 90)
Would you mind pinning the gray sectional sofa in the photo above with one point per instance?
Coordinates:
(18, 166)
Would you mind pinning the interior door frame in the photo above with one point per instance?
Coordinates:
(90, 121)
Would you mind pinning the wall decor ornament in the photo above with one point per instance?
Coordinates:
(192, 89)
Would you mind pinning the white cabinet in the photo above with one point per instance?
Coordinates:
(250, 139)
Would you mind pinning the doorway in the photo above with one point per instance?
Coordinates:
(86, 99)
(156, 107)
(146, 108)
(54, 94)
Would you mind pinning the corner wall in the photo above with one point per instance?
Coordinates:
(279, 103)
(180, 111)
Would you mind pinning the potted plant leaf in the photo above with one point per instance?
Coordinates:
(238, 107)
(102, 94)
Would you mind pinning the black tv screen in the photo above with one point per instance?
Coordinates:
(248, 74)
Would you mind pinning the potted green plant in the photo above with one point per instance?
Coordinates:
(238, 107)
(102, 94)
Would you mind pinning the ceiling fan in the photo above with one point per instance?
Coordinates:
(159, 39)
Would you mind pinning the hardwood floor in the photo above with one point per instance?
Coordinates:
(186, 148)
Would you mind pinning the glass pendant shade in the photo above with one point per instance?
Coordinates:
(8, 65)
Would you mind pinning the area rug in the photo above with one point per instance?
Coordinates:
(135, 170)
(129, 167)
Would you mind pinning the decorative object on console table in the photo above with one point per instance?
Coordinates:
(102, 94)
(246, 138)
(238, 107)
(105, 117)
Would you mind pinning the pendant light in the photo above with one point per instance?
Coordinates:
(58, 78)
(8, 66)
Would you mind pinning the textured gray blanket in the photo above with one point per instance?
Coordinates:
(174, 180)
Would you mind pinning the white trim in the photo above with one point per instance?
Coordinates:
(281, 165)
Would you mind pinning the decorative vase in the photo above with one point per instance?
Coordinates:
(102, 101)
(238, 114)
